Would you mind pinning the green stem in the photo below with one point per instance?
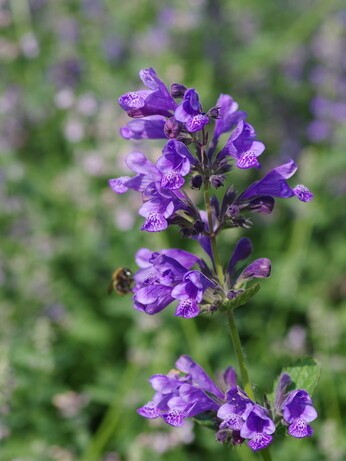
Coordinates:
(240, 355)
(243, 370)
(217, 264)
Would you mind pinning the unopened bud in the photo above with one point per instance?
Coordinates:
(172, 128)
(232, 211)
(214, 112)
(217, 180)
(177, 90)
(196, 181)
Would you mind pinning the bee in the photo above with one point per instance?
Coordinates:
(122, 280)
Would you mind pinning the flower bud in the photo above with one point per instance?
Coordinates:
(196, 181)
(232, 211)
(217, 180)
(214, 112)
(172, 128)
(177, 90)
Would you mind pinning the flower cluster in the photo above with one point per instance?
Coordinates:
(188, 392)
(157, 115)
(166, 276)
(190, 160)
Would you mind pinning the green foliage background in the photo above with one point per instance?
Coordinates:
(74, 362)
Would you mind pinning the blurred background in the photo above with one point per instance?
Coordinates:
(74, 362)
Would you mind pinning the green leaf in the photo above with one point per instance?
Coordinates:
(206, 419)
(305, 374)
(244, 297)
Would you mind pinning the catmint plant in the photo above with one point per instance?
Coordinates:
(193, 159)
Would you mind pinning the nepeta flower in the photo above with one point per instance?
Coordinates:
(190, 112)
(274, 184)
(229, 116)
(165, 276)
(159, 183)
(180, 396)
(246, 419)
(155, 101)
(298, 411)
(243, 146)
(259, 268)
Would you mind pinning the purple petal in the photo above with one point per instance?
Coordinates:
(138, 163)
(228, 115)
(233, 422)
(164, 384)
(142, 257)
(151, 127)
(197, 122)
(149, 410)
(172, 180)
(274, 183)
(242, 250)
(230, 377)
(133, 99)
(248, 160)
(185, 258)
(187, 308)
(259, 441)
(199, 376)
(174, 418)
(303, 193)
(118, 184)
(299, 429)
(260, 268)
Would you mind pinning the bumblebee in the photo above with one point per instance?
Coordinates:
(122, 280)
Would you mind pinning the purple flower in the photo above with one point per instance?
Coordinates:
(247, 419)
(298, 411)
(190, 293)
(190, 112)
(179, 396)
(274, 184)
(166, 276)
(151, 127)
(146, 174)
(229, 115)
(257, 427)
(174, 164)
(243, 146)
(155, 101)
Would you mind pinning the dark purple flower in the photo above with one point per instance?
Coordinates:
(155, 101)
(190, 112)
(298, 411)
(151, 127)
(243, 146)
(274, 184)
